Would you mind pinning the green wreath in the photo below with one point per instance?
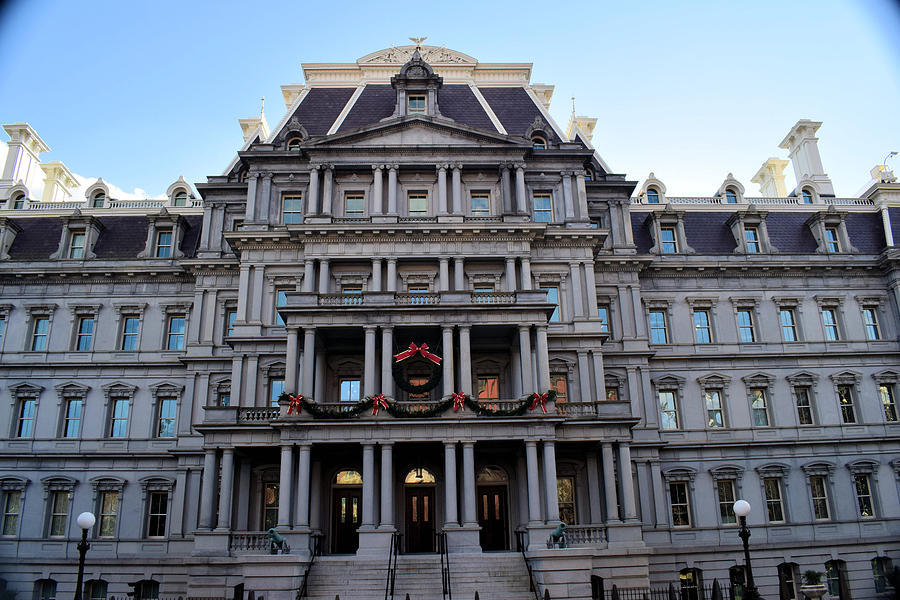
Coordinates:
(403, 382)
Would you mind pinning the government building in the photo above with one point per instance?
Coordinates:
(414, 327)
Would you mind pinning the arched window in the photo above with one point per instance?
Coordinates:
(419, 475)
(652, 196)
(95, 589)
(98, 200)
(180, 198)
(588, 174)
(538, 142)
(44, 589)
(146, 589)
(294, 144)
(491, 474)
(348, 478)
(807, 196)
(730, 196)
(242, 176)
(18, 201)
(691, 583)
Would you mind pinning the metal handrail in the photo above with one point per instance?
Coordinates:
(445, 564)
(392, 567)
(316, 551)
(532, 582)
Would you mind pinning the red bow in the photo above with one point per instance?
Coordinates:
(459, 402)
(539, 399)
(423, 350)
(296, 403)
(379, 401)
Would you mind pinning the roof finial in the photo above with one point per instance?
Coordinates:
(573, 107)
(418, 41)
(262, 108)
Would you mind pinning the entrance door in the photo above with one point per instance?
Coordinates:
(347, 513)
(420, 519)
(492, 516)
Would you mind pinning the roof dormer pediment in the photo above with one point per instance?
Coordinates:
(418, 131)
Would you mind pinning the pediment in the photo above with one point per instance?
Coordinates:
(419, 131)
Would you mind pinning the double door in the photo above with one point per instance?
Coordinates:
(493, 517)
(419, 518)
(346, 519)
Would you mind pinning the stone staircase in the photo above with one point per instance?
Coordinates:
(494, 575)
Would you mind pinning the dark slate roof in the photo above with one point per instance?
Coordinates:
(789, 234)
(866, 232)
(515, 109)
(895, 223)
(641, 231)
(37, 238)
(376, 102)
(707, 233)
(460, 104)
(321, 107)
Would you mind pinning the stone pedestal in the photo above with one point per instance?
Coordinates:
(211, 543)
(463, 539)
(538, 536)
(374, 543)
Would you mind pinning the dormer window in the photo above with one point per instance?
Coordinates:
(588, 174)
(76, 245)
(652, 196)
(18, 202)
(180, 199)
(164, 243)
(98, 200)
(829, 229)
(667, 231)
(538, 143)
(242, 176)
(832, 243)
(731, 196)
(751, 239)
(807, 196)
(165, 235)
(751, 236)
(416, 104)
(669, 240)
(293, 144)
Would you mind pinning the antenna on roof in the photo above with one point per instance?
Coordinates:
(262, 107)
(573, 107)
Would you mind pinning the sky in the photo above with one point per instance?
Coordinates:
(143, 92)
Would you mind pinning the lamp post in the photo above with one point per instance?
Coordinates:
(742, 509)
(85, 520)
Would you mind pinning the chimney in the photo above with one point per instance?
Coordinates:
(58, 183)
(770, 178)
(22, 158)
(584, 124)
(544, 93)
(802, 144)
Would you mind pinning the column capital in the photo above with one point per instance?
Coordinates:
(304, 445)
(531, 443)
(443, 167)
(391, 260)
(394, 167)
(266, 175)
(520, 166)
(465, 327)
(447, 327)
(445, 259)
(386, 443)
(524, 327)
(377, 167)
(314, 167)
(457, 166)
(581, 353)
(328, 166)
(453, 443)
(367, 444)
(467, 443)
(376, 259)
(541, 326)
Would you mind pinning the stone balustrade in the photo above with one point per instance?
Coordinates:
(585, 535)
(760, 201)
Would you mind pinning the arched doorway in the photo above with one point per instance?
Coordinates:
(346, 511)
(418, 489)
(493, 507)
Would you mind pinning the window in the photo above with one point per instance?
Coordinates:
(350, 391)
(669, 244)
(863, 486)
(418, 294)
(658, 332)
(746, 332)
(481, 294)
(223, 398)
(481, 204)
(678, 496)
(85, 334)
(40, 333)
(737, 578)
(166, 424)
(109, 512)
(352, 295)
(72, 418)
(832, 243)
(565, 492)
(829, 320)
(668, 409)
(714, 413)
(156, 514)
(18, 201)
(881, 566)
(836, 579)
(691, 583)
(725, 492)
(751, 239)
(870, 320)
(11, 504)
(552, 298)
(270, 505)
(886, 392)
(118, 427)
(788, 324)
(76, 244)
(44, 589)
(558, 383)
(730, 196)
(98, 200)
(804, 405)
(417, 204)
(25, 424)
(291, 211)
(59, 513)
(652, 196)
(96, 589)
(180, 199)
(354, 204)
(818, 489)
(147, 589)
(280, 300)
(175, 333)
(702, 330)
(787, 581)
(276, 389)
(293, 144)
(543, 208)
(164, 243)
(774, 504)
(603, 315)
(230, 317)
(759, 407)
(845, 398)
(807, 196)
(415, 104)
(131, 327)
(538, 143)
(488, 387)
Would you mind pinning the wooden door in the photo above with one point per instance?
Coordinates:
(346, 513)
(420, 519)
(493, 517)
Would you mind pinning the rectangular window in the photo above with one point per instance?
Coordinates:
(2, 330)
(658, 332)
(565, 492)
(276, 389)
(788, 325)
(350, 391)
(725, 490)
(612, 393)
(352, 295)
(829, 319)
(831, 240)
(603, 315)
(72, 419)
(481, 204)
(870, 319)
(230, 317)
(751, 238)
(280, 300)
(175, 333)
(156, 514)
(76, 245)
(354, 206)
(681, 510)
(418, 294)
(12, 506)
(109, 512)
(714, 413)
(804, 405)
(558, 384)
(223, 399)
(759, 407)
(864, 495)
(164, 244)
(270, 506)
(488, 387)
(118, 427)
(882, 566)
(131, 326)
(543, 208)
(746, 332)
(416, 104)
(291, 209)
(59, 513)
(702, 330)
(85, 334)
(166, 424)
(552, 298)
(818, 489)
(774, 505)
(668, 410)
(669, 244)
(25, 424)
(886, 392)
(845, 397)
(417, 204)
(40, 334)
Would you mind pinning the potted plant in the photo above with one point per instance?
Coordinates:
(812, 587)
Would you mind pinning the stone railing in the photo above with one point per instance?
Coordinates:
(111, 203)
(576, 409)
(417, 220)
(585, 535)
(417, 299)
(482, 219)
(493, 297)
(351, 220)
(768, 201)
(261, 414)
(55, 205)
(342, 299)
(251, 542)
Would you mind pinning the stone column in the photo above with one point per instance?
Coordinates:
(599, 376)
(292, 360)
(525, 358)
(309, 275)
(526, 274)
(521, 200)
(577, 297)
(226, 492)
(442, 189)
(257, 293)
(510, 274)
(639, 318)
(584, 377)
(534, 486)
(465, 360)
(208, 489)
(543, 359)
(581, 192)
(659, 494)
(387, 361)
(551, 494)
(328, 191)
(369, 364)
(323, 276)
(198, 315)
(252, 380)
(609, 483)
(392, 274)
(301, 518)
(568, 200)
(506, 189)
(447, 363)
(627, 481)
(451, 517)
(267, 194)
(444, 271)
(470, 516)
(387, 485)
(590, 288)
(594, 487)
(237, 378)
(377, 189)
(243, 294)
(392, 190)
(309, 361)
(368, 491)
(376, 274)
(285, 485)
(459, 279)
(312, 194)
(252, 185)
(457, 208)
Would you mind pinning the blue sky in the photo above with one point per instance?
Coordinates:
(142, 92)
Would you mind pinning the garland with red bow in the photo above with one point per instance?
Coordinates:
(459, 401)
(378, 401)
(539, 400)
(413, 350)
(296, 404)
